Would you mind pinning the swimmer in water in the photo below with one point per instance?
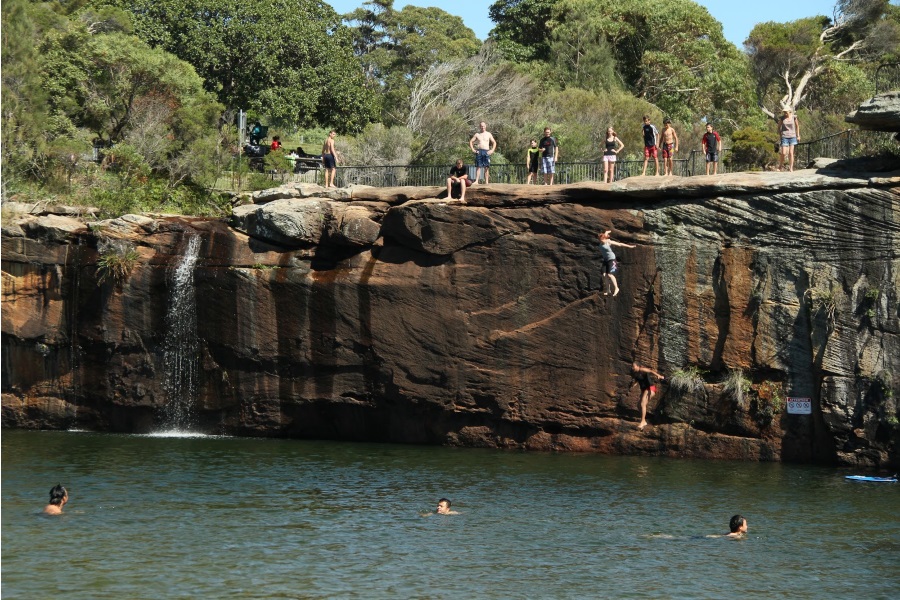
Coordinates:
(443, 508)
(58, 498)
(738, 526)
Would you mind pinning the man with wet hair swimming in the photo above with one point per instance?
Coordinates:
(738, 526)
(58, 498)
(443, 508)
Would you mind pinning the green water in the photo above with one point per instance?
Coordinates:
(154, 517)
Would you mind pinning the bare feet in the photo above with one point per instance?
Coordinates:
(616, 292)
(642, 425)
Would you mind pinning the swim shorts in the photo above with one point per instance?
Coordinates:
(482, 158)
(533, 167)
(712, 156)
(548, 165)
(609, 158)
(649, 151)
(610, 266)
(328, 161)
(667, 150)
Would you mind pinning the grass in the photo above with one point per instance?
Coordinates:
(737, 386)
(687, 381)
(116, 264)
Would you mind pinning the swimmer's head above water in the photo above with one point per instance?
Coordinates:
(58, 498)
(738, 525)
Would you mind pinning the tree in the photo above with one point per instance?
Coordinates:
(521, 34)
(24, 98)
(671, 53)
(288, 59)
(787, 57)
(396, 47)
(451, 97)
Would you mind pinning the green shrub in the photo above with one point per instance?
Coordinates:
(115, 264)
(751, 147)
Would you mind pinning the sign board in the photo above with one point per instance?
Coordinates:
(799, 406)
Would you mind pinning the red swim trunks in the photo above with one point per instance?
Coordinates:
(652, 389)
(649, 151)
(667, 150)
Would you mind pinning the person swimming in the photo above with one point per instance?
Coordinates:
(443, 508)
(738, 526)
(58, 498)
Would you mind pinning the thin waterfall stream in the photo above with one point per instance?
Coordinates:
(181, 345)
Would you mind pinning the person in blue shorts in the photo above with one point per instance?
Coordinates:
(486, 146)
(712, 146)
(789, 132)
(549, 155)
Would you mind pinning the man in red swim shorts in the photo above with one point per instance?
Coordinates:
(651, 141)
(646, 378)
(669, 144)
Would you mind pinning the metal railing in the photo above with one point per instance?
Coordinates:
(846, 144)
(887, 78)
(849, 143)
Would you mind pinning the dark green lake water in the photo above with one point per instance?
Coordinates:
(156, 517)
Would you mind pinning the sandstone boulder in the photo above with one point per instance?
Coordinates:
(881, 113)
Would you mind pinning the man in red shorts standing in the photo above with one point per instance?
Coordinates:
(651, 141)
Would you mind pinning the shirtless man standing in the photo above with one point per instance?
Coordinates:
(329, 159)
(486, 147)
(668, 141)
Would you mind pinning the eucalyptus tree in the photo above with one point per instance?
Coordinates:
(396, 47)
(787, 58)
(671, 53)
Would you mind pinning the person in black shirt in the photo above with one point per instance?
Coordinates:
(459, 179)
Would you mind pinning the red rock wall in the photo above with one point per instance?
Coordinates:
(482, 325)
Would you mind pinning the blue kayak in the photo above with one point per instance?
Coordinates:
(867, 478)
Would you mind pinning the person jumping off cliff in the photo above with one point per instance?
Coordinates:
(610, 266)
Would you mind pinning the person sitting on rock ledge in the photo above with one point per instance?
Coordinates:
(58, 498)
(458, 180)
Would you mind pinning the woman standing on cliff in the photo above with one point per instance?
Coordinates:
(610, 266)
(609, 155)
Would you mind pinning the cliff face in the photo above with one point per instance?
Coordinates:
(395, 316)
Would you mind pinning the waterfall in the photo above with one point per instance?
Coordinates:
(181, 345)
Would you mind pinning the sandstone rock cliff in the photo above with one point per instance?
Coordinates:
(397, 316)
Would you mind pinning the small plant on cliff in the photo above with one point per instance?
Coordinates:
(737, 386)
(870, 298)
(770, 401)
(884, 382)
(687, 381)
(823, 302)
(115, 264)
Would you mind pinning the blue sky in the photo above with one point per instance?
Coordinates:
(736, 17)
